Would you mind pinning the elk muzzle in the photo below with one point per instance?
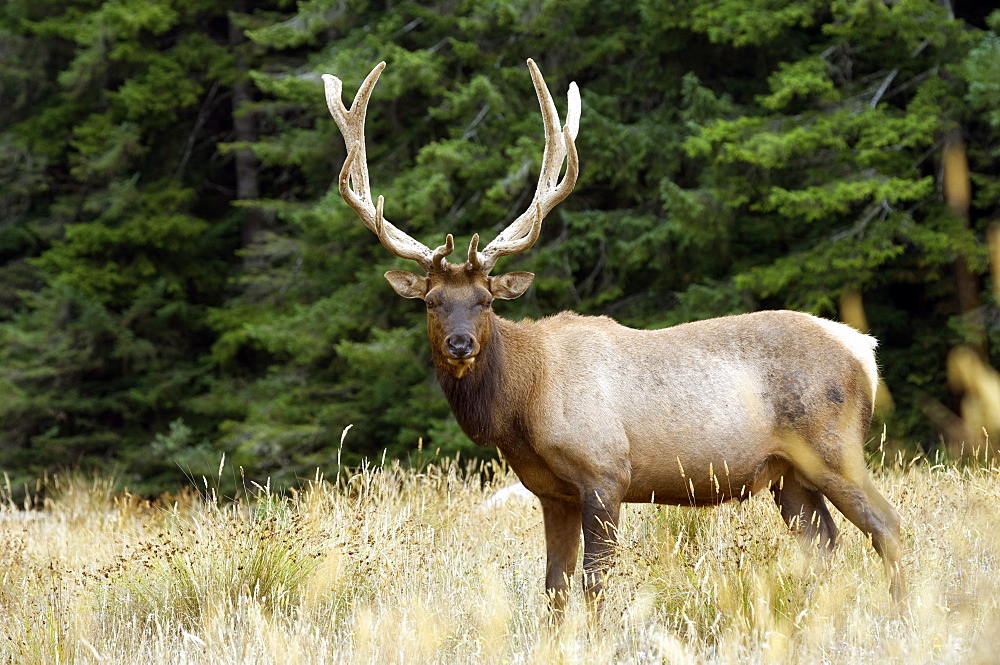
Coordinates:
(460, 350)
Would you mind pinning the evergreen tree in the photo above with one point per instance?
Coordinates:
(118, 232)
(182, 280)
(736, 156)
(454, 144)
(828, 181)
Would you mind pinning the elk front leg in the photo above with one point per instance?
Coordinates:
(562, 544)
(600, 535)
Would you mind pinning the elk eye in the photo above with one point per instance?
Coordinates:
(433, 302)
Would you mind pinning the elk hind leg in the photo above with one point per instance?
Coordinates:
(804, 511)
(867, 509)
(843, 478)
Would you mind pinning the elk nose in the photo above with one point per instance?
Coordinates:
(460, 345)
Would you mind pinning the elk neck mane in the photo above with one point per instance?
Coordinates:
(481, 400)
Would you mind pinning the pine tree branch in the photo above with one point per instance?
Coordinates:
(882, 88)
(198, 124)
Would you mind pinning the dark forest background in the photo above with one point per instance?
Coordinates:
(179, 278)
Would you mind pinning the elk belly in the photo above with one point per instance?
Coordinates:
(701, 442)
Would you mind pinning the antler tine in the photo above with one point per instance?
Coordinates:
(444, 250)
(550, 191)
(474, 252)
(354, 181)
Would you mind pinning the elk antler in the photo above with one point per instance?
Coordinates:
(517, 237)
(355, 172)
(559, 145)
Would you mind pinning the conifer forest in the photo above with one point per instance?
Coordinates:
(181, 281)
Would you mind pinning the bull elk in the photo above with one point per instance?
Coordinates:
(591, 414)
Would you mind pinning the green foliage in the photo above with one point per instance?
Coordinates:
(185, 281)
(981, 69)
(835, 173)
(118, 249)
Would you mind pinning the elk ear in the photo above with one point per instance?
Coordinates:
(407, 284)
(510, 285)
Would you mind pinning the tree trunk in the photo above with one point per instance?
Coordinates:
(246, 163)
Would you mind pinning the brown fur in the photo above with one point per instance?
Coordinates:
(591, 414)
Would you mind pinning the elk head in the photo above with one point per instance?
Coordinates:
(459, 297)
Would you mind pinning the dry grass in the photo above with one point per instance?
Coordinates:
(394, 566)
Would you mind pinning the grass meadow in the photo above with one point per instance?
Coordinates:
(391, 565)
